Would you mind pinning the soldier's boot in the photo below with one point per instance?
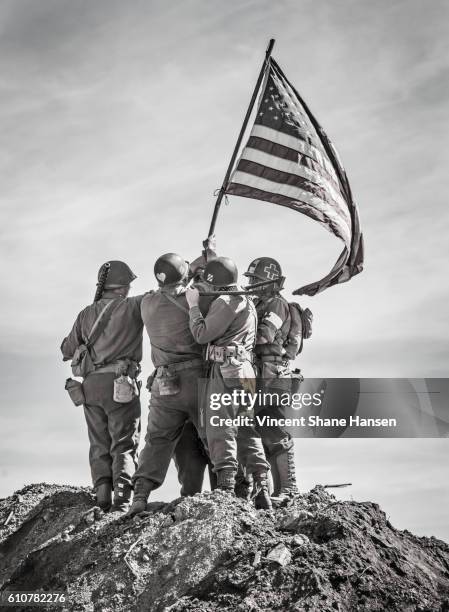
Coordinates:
(142, 489)
(244, 485)
(122, 497)
(261, 493)
(285, 463)
(103, 493)
(226, 480)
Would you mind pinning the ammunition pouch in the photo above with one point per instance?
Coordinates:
(220, 354)
(297, 379)
(166, 378)
(235, 364)
(167, 382)
(276, 374)
(76, 392)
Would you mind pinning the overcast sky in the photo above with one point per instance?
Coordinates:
(118, 120)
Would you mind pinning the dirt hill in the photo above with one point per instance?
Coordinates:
(214, 552)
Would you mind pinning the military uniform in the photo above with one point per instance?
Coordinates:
(230, 325)
(273, 369)
(273, 372)
(179, 364)
(113, 427)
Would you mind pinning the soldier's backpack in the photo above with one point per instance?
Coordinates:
(300, 329)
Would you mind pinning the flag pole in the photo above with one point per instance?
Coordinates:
(240, 137)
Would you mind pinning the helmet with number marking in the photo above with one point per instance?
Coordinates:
(221, 272)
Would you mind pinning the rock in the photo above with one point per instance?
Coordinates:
(300, 540)
(280, 554)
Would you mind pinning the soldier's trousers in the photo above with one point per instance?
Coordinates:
(113, 431)
(167, 417)
(276, 439)
(191, 461)
(230, 445)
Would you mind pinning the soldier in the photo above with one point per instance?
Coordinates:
(273, 366)
(229, 330)
(179, 363)
(113, 426)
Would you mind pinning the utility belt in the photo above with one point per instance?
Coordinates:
(167, 378)
(178, 366)
(120, 367)
(221, 354)
(126, 385)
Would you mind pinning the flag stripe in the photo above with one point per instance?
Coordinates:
(294, 143)
(273, 148)
(246, 191)
(332, 218)
(284, 169)
(293, 180)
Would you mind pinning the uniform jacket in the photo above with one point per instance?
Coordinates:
(168, 328)
(274, 319)
(122, 337)
(231, 321)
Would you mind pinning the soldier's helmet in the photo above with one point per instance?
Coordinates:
(170, 269)
(263, 269)
(221, 272)
(117, 273)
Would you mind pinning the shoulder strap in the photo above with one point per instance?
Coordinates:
(101, 321)
(174, 301)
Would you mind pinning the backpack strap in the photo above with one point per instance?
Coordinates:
(101, 321)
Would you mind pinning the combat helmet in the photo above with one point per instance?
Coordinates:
(263, 269)
(113, 275)
(170, 268)
(119, 274)
(221, 272)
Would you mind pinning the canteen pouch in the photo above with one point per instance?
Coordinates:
(124, 391)
(75, 389)
(82, 363)
(168, 383)
(238, 374)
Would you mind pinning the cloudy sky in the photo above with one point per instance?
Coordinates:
(117, 122)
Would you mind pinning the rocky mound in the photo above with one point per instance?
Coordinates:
(214, 552)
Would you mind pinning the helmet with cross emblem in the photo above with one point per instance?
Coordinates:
(263, 269)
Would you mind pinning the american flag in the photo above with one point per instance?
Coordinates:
(289, 160)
